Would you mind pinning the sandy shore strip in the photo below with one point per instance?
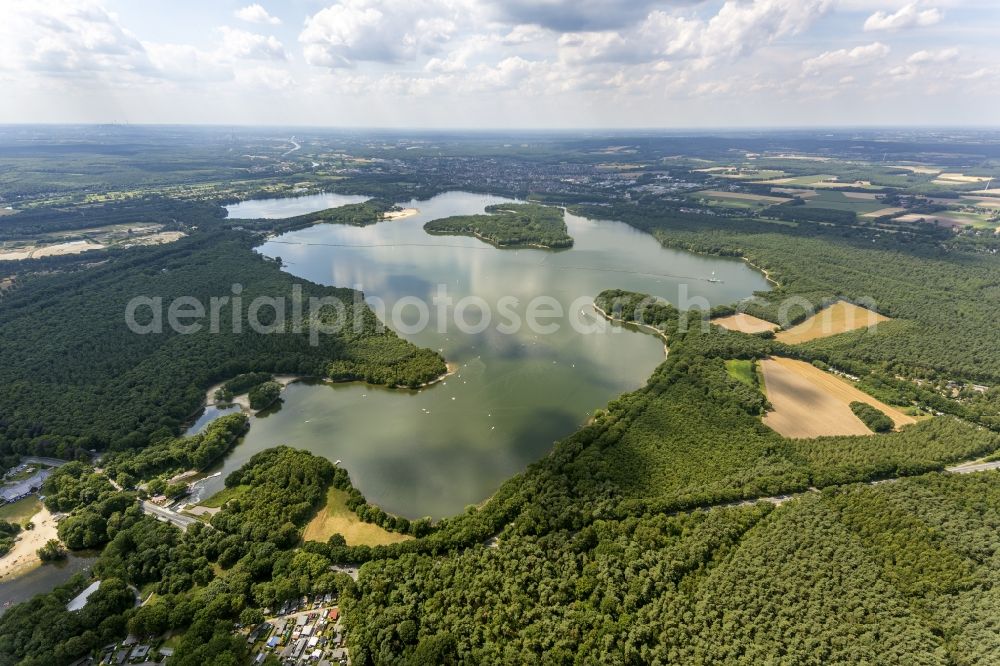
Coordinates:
(24, 555)
(244, 400)
(400, 214)
(652, 329)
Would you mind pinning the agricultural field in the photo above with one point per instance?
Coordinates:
(738, 199)
(743, 173)
(882, 212)
(916, 168)
(952, 219)
(858, 202)
(744, 323)
(809, 402)
(959, 178)
(838, 318)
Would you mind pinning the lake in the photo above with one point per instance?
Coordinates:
(515, 392)
(43, 578)
(290, 207)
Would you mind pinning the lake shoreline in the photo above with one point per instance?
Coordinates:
(23, 557)
(652, 329)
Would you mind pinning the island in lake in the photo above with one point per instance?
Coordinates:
(510, 225)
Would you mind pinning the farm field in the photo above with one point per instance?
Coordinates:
(742, 173)
(818, 181)
(952, 178)
(838, 318)
(809, 402)
(336, 518)
(739, 196)
(790, 191)
(949, 219)
(925, 170)
(744, 323)
(883, 211)
(859, 202)
(981, 202)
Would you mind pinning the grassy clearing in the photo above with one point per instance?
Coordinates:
(741, 370)
(738, 196)
(218, 499)
(336, 518)
(21, 511)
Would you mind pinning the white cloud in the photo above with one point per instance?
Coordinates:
(859, 55)
(388, 31)
(741, 27)
(941, 55)
(524, 34)
(738, 29)
(909, 16)
(64, 38)
(237, 43)
(256, 14)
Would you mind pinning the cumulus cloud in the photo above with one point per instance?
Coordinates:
(580, 15)
(237, 43)
(908, 16)
(66, 38)
(939, 56)
(859, 55)
(388, 31)
(256, 14)
(739, 28)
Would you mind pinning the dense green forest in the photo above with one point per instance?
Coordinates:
(77, 378)
(867, 574)
(509, 225)
(8, 533)
(874, 418)
(241, 384)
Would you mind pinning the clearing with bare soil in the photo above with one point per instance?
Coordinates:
(838, 318)
(809, 402)
(744, 323)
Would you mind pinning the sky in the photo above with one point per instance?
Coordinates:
(515, 64)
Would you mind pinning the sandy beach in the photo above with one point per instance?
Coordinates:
(24, 554)
(400, 214)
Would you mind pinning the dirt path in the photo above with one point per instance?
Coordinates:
(23, 555)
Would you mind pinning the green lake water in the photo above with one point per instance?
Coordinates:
(434, 451)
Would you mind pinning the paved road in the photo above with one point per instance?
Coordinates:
(970, 467)
(160, 513)
(37, 460)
